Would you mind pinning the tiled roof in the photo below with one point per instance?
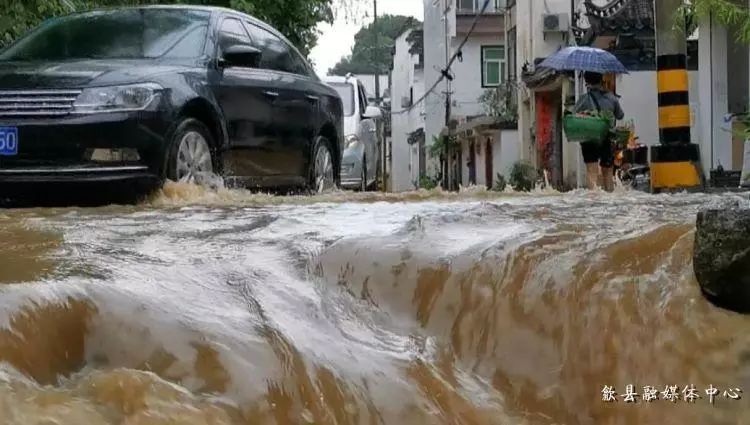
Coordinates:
(621, 15)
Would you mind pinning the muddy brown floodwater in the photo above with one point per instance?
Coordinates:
(202, 307)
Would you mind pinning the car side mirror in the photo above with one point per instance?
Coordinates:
(372, 112)
(241, 55)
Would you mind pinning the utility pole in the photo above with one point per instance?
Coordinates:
(376, 50)
(382, 154)
(675, 163)
(446, 171)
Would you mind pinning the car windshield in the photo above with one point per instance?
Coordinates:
(117, 34)
(346, 91)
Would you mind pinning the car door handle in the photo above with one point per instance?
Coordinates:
(313, 99)
(271, 94)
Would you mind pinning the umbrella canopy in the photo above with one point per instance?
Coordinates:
(588, 59)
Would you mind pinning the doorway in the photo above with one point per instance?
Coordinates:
(472, 164)
(488, 159)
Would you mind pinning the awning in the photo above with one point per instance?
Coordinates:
(415, 136)
(482, 124)
(543, 79)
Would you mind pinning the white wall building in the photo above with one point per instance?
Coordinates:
(638, 90)
(408, 153)
(482, 65)
(438, 31)
(724, 91)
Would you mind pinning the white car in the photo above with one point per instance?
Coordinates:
(359, 166)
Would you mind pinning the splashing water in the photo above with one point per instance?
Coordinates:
(225, 307)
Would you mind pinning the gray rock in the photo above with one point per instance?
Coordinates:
(722, 257)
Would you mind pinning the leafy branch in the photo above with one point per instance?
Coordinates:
(725, 12)
(443, 145)
(499, 102)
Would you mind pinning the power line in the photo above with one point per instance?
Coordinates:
(445, 72)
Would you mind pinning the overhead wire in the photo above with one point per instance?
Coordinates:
(446, 72)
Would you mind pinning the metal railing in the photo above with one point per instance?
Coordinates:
(471, 7)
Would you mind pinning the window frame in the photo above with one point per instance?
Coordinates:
(363, 102)
(354, 99)
(501, 62)
(36, 29)
(495, 6)
(292, 51)
(222, 20)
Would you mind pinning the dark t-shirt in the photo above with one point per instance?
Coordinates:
(606, 100)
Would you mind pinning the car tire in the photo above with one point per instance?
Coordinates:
(363, 184)
(323, 173)
(191, 154)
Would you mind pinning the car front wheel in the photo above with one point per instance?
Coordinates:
(190, 158)
(322, 168)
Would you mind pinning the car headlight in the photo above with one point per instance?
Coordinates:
(134, 97)
(351, 140)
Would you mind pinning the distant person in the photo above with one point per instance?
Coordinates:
(599, 99)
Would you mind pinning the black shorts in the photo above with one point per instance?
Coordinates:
(599, 152)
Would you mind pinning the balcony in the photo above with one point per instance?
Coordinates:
(492, 21)
(472, 7)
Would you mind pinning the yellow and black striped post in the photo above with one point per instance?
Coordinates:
(675, 162)
(674, 99)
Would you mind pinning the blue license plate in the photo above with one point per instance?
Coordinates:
(8, 141)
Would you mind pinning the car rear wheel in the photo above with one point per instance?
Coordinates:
(322, 168)
(190, 158)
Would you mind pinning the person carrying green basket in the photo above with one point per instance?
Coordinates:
(599, 100)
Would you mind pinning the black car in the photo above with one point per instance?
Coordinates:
(160, 92)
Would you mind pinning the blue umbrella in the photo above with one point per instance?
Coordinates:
(588, 59)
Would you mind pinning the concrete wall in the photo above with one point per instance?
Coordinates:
(404, 78)
(435, 59)
(505, 152)
(640, 101)
(508, 152)
(467, 86)
(737, 67)
(716, 145)
(531, 43)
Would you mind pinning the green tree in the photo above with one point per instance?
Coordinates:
(725, 12)
(372, 49)
(296, 19)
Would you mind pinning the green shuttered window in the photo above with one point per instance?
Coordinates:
(493, 65)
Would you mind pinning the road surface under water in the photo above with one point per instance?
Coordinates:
(203, 307)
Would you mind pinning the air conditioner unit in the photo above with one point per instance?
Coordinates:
(556, 22)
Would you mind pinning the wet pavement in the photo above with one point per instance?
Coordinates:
(225, 307)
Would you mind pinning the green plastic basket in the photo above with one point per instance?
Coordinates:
(586, 128)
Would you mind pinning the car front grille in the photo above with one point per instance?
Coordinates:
(37, 103)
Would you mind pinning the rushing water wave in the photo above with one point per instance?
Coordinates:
(221, 307)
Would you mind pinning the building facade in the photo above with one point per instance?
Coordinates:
(458, 106)
(408, 153)
(627, 29)
(724, 93)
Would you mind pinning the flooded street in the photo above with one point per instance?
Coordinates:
(202, 307)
